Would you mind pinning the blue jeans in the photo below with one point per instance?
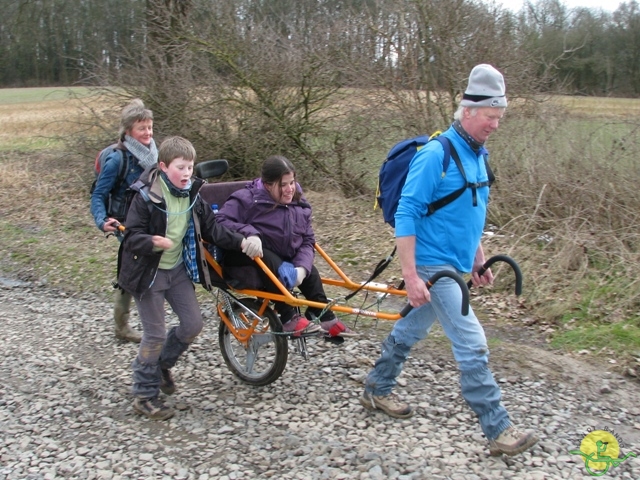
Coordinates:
(468, 343)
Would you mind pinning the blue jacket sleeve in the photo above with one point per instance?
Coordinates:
(104, 185)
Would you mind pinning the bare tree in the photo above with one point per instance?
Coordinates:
(326, 83)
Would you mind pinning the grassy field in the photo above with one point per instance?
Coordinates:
(11, 96)
(33, 119)
(580, 287)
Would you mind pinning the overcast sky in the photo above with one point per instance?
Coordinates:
(516, 5)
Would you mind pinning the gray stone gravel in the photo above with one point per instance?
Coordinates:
(65, 409)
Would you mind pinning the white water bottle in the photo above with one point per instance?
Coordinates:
(215, 252)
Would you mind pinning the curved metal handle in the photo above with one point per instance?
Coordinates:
(458, 279)
(506, 259)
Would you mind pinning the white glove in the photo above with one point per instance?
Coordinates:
(252, 247)
(301, 273)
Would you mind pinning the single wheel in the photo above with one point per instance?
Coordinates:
(264, 357)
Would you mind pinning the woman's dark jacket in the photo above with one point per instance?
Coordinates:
(137, 260)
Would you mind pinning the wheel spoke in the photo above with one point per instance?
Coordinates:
(263, 358)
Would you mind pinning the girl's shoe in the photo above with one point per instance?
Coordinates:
(299, 325)
(335, 328)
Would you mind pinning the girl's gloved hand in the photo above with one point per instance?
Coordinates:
(252, 246)
(288, 275)
(301, 274)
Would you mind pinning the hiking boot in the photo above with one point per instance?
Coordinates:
(511, 442)
(153, 408)
(299, 325)
(167, 385)
(389, 404)
(335, 328)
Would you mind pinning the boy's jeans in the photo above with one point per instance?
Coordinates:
(468, 343)
(177, 289)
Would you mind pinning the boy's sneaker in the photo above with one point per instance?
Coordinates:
(167, 385)
(299, 325)
(335, 328)
(153, 408)
(389, 404)
(511, 442)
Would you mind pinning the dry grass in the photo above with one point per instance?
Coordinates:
(32, 125)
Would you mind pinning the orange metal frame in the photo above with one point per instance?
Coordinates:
(285, 296)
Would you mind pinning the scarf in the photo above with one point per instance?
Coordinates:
(147, 156)
(175, 191)
(474, 144)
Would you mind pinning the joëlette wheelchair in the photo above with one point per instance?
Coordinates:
(253, 344)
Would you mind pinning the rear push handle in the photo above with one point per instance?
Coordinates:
(506, 259)
(465, 287)
(454, 276)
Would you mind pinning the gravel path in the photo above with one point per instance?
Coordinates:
(65, 408)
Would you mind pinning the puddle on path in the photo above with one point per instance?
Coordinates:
(8, 282)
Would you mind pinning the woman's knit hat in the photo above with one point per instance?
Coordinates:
(485, 89)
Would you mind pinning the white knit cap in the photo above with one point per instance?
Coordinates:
(486, 88)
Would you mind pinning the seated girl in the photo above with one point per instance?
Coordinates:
(272, 213)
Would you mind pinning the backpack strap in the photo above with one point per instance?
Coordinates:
(447, 147)
(124, 166)
(205, 281)
(450, 151)
(490, 178)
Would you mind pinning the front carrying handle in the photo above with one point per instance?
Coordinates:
(506, 259)
(458, 279)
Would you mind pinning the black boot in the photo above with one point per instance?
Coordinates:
(167, 385)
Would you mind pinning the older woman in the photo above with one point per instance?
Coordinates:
(109, 197)
(273, 213)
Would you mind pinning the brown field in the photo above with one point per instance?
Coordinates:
(36, 119)
(600, 106)
(41, 118)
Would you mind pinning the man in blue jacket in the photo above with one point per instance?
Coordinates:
(449, 239)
